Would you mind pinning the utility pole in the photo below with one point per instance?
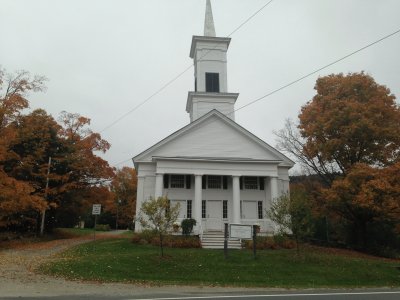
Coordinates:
(45, 197)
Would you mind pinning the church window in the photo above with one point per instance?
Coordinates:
(260, 209)
(212, 82)
(189, 209)
(177, 181)
(214, 182)
(225, 209)
(251, 183)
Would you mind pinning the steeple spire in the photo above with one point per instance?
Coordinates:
(209, 29)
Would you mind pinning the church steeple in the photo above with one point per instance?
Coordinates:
(209, 28)
(210, 73)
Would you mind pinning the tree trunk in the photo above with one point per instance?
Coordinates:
(161, 245)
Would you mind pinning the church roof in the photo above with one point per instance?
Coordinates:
(207, 134)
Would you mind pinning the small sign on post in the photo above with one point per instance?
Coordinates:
(96, 210)
(241, 231)
(244, 232)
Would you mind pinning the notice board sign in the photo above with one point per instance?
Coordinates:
(240, 231)
(96, 209)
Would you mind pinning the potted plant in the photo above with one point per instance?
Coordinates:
(175, 226)
(187, 226)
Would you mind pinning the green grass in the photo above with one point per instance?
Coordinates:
(128, 233)
(120, 260)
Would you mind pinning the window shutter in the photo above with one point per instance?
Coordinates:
(225, 182)
(261, 179)
(166, 181)
(241, 183)
(188, 181)
(204, 182)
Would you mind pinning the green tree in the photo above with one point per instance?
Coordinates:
(157, 214)
(293, 214)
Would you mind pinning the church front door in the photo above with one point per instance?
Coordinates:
(214, 215)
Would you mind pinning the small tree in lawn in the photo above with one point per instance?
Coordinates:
(293, 213)
(157, 214)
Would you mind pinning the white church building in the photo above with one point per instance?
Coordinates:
(217, 170)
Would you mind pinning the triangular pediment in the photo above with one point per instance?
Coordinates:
(214, 136)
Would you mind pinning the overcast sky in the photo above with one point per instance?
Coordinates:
(103, 58)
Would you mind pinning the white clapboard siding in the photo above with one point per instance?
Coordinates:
(212, 138)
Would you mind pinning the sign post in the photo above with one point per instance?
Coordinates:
(226, 241)
(95, 211)
(244, 232)
(255, 241)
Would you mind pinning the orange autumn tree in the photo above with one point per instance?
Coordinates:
(124, 185)
(26, 143)
(16, 196)
(371, 197)
(89, 169)
(86, 174)
(351, 121)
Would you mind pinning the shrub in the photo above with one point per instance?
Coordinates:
(171, 241)
(187, 226)
(272, 243)
(103, 227)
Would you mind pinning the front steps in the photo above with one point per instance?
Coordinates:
(215, 240)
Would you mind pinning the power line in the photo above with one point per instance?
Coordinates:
(316, 71)
(180, 74)
(302, 78)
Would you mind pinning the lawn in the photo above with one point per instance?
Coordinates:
(120, 260)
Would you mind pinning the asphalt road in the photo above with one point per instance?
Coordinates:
(387, 294)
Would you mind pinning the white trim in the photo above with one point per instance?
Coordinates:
(285, 161)
(207, 39)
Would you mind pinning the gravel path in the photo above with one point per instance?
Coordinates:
(18, 277)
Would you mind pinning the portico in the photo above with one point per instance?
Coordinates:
(215, 191)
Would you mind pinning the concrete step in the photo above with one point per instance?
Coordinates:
(220, 246)
(215, 240)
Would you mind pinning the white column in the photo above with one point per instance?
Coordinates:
(159, 185)
(274, 188)
(236, 199)
(267, 193)
(197, 200)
